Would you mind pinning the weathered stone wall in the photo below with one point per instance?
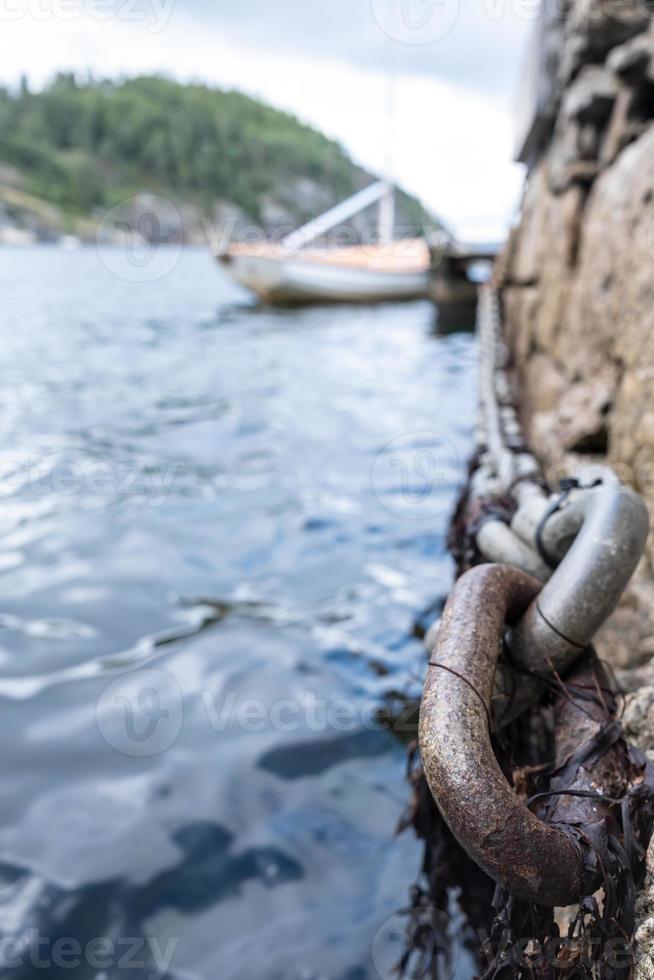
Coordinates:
(578, 278)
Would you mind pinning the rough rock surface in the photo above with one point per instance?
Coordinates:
(578, 279)
(639, 726)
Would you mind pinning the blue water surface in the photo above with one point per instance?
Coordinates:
(218, 524)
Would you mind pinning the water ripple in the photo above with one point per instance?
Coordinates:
(195, 488)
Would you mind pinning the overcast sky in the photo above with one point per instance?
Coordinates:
(457, 64)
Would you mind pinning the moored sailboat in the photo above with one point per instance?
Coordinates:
(297, 271)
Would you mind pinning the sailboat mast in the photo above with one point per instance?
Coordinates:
(386, 228)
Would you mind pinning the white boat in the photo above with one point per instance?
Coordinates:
(295, 271)
(363, 274)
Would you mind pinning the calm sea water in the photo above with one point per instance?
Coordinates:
(218, 525)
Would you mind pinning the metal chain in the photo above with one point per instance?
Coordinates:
(592, 538)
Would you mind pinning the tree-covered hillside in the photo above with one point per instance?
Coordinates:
(84, 146)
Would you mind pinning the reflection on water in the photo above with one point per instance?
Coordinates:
(219, 524)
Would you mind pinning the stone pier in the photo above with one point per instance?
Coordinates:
(578, 287)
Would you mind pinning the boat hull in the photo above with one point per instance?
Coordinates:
(296, 281)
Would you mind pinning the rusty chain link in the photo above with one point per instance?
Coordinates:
(507, 635)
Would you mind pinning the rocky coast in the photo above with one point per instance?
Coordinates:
(578, 291)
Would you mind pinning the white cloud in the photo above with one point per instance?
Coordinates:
(453, 142)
